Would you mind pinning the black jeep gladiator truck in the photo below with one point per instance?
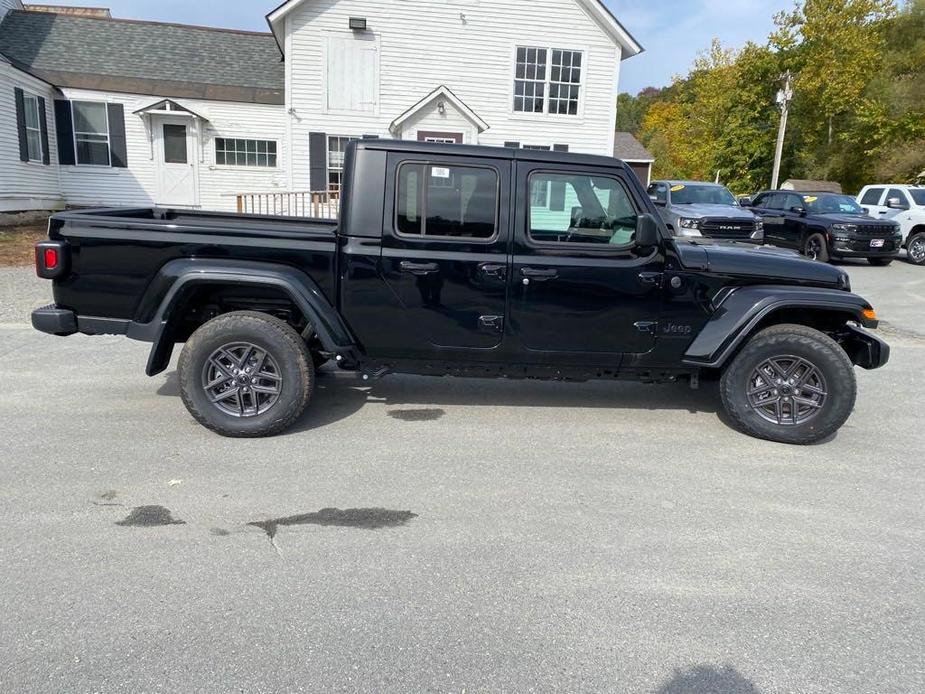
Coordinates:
(464, 261)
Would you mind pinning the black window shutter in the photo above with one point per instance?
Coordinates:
(560, 148)
(318, 162)
(117, 145)
(512, 145)
(43, 123)
(64, 130)
(21, 124)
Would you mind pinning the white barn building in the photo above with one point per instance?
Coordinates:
(103, 111)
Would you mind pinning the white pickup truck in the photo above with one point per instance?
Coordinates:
(903, 204)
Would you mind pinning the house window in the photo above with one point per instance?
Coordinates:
(547, 80)
(33, 127)
(337, 146)
(240, 152)
(91, 133)
(447, 201)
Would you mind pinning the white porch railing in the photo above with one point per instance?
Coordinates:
(290, 204)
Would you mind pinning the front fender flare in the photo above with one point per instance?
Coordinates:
(177, 278)
(741, 310)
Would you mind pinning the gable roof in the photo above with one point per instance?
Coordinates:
(595, 8)
(446, 93)
(628, 148)
(137, 57)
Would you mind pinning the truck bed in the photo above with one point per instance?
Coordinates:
(116, 253)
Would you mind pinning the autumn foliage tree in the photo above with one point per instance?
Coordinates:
(858, 114)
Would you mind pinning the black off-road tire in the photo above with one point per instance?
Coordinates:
(801, 342)
(280, 341)
(880, 262)
(823, 247)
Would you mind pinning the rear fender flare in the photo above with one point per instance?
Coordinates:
(741, 311)
(177, 278)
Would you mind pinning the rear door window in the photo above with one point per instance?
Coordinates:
(436, 200)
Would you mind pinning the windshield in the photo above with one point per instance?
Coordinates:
(692, 194)
(918, 195)
(831, 204)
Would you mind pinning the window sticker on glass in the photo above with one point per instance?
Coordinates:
(675, 189)
(809, 198)
(438, 172)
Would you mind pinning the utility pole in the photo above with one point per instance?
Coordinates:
(784, 97)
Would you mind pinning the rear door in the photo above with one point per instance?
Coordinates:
(445, 254)
(770, 207)
(578, 283)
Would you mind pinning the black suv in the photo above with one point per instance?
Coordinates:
(826, 225)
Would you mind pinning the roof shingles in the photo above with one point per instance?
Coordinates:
(144, 57)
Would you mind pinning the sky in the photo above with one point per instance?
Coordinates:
(673, 32)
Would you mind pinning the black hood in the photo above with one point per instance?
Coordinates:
(764, 263)
(843, 218)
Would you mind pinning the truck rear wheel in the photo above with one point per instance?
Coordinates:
(246, 374)
(791, 384)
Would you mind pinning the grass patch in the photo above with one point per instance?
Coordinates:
(17, 244)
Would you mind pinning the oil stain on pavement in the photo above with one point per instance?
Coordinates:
(148, 516)
(424, 415)
(363, 518)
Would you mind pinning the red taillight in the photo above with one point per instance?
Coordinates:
(50, 258)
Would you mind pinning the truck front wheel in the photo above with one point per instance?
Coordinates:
(246, 374)
(791, 384)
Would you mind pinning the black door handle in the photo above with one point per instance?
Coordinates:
(493, 270)
(539, 275)
(419, 268)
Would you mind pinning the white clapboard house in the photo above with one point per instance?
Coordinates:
(103, 111)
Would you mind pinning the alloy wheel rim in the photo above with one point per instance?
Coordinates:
(787, 390)
(813, 248)
(242, 380)
(917, 250)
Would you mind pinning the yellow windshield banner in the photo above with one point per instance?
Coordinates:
(675, 189)
(809, 198)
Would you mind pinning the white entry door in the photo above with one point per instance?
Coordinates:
(175, 154)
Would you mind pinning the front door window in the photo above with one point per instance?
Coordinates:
(175, 144)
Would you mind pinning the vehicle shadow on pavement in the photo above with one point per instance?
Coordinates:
(706, 679)
(337, 396)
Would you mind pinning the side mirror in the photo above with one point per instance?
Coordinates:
(798, 210)
(895, 204)
(745, 201)
(660, 203)
(647, 234)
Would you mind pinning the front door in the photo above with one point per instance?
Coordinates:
(445, 254)
(174, 152)
(578, 283)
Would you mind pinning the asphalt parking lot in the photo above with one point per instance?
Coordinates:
(489, 535)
